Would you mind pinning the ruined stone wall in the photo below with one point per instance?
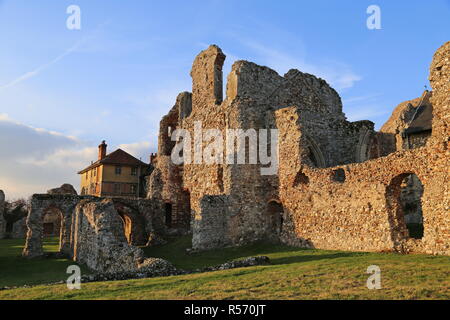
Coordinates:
(439, 80)
(19, 229)
(42, 204)
(363, 212)
(138, 218)
(329, 200)
(99, 239)
(253, 94)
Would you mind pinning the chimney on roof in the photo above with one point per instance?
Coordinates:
(102, 150)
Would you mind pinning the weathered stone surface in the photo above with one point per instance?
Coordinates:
(64, 189)
(42, 204)
(19, 229)
(99, 241)
(331, 195)
(137, 218)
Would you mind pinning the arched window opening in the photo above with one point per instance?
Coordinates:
(52, 227)
(314, 154)
(133, 224)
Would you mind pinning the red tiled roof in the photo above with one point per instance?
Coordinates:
(118, 157)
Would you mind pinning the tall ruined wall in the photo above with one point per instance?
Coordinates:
(439, 80)
(329, 200)
(253, 93)
(361, 211)
(260, 91)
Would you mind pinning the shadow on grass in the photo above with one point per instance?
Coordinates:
(308, 258)
(175, 252)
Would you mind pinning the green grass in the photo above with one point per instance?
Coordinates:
(175, 252)
(293, 274)
(17, 271)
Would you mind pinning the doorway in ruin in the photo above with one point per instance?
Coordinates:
(168, 214)
(52, 227)
(274, 218)
(411, 202)
(133, 225)
(404, 200)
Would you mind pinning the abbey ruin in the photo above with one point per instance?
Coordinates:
(340, 185)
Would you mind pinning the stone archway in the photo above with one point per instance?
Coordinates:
(133, 224)
(53, 224)
(52, 221)
(41, 204)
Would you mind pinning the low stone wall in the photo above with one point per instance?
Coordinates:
(135, 219)
(98, 238)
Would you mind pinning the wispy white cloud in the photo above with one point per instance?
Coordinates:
(41, 68)
(38, 70)
(359, 99)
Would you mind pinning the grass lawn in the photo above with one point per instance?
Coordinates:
(293, 274)
(17, 271)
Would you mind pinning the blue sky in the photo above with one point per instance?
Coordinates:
(63, 91)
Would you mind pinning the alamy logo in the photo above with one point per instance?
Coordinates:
(374, 20)
(74, 281)
(235, 145)
(74, 20)
(374, 281)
